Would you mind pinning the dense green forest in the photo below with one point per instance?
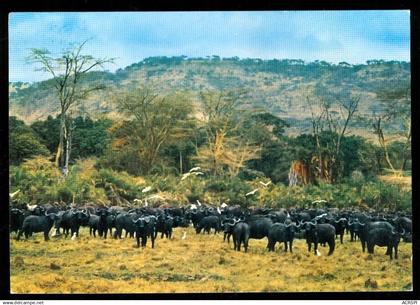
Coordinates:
(218, 130)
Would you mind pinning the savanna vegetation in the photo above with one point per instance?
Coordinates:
(115, 134)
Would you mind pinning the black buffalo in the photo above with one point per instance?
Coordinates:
(125, 221)
(103, 214)
(281, 233)
(165, 225)
(93, 224)
(175, 212)
(228, 224)
(71, 220)
(195, 216)
(301, 217)
(340, 226)
(17, 217)
(366, 227)
(240, 234)
(207, 223)
(406, 224)
(233, 211)
(384, 238)
(35, 224)
(259, 226)
(181, 221)
(319, 233)
(145, 227)
(110, 219)
(355, 228)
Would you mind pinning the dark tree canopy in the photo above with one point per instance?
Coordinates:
(23, 142)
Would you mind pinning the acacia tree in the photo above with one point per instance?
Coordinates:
(331, 114)
(152, 121)
(67, 71)
(393, 123)
(227, 149)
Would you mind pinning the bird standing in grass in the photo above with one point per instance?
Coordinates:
(74, 237)
(184, 236)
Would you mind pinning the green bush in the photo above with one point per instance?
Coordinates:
(39, 181)
(120, 184)
(231, 190)
(372, 194)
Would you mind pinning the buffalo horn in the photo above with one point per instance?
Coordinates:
(341, 219)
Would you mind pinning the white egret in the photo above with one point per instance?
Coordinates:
(31, 207)
(146, 189)
(252, 192)
(185, 176)
(319, 201)
(11, 195)
(265, 184)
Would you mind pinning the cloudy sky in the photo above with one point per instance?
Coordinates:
(333, 36)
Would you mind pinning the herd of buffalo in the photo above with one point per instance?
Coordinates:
(315, 225)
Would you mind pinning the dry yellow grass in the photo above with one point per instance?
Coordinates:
(200, 263)
(403, 181)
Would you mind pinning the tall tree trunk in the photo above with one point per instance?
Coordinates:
(406, 148)
(59, 154)
(68, 149)
(382, 143)
(180, 162)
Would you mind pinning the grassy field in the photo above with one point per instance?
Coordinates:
(199, 263)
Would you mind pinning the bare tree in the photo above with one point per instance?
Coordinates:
(330, 116)
(67, 71)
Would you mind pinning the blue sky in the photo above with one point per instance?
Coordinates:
(333, 36)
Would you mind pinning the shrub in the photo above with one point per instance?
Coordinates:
(39, 181)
